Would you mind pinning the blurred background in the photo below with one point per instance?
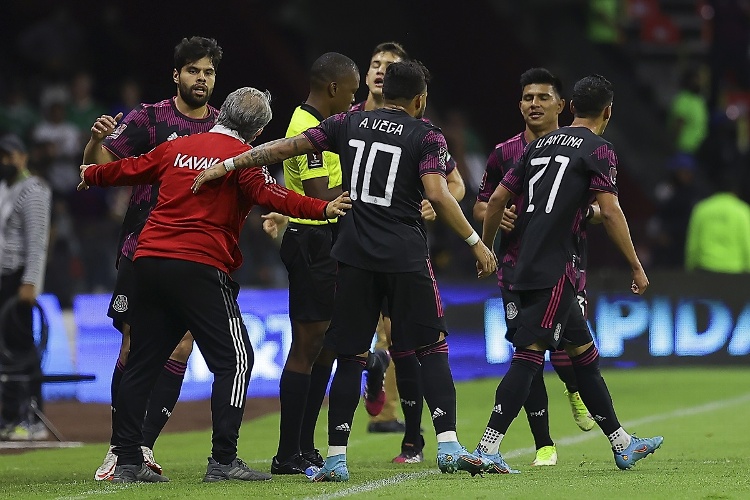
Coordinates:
(680, 68)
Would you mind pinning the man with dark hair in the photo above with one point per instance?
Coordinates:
(390, 160)
(540, 105)
(186, 252)
(560, 175)
(196, 60)
(306, 252)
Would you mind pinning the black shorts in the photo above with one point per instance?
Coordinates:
(512, 303)
(124, 294)
(415, 307)
(306, 253)
(551, 316)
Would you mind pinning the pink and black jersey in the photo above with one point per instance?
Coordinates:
(384, 153)
(504, 158)
(558, 174)
(144, 128)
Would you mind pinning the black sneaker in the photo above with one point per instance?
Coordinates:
(136, 474)
(395, 426)
(314, 457)
(236, 470)
(296, 464)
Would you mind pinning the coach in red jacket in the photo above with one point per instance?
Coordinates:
(182, 263)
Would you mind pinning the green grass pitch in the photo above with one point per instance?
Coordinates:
(701, 412)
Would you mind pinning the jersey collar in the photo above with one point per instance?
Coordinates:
(306, 107)
(221, 129)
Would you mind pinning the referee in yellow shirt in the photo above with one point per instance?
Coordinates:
(306, 253)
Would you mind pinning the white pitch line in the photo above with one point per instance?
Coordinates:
(578, 438)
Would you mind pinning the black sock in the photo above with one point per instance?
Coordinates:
(343, 398)
(513, 390)
(409, 384)
(594, 391)
(115, 387)
(437, 384)
(537, 410)
(564, 369)
(293, 391)
(162, 401)
(321, 374)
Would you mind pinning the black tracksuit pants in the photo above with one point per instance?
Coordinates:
(172, 297)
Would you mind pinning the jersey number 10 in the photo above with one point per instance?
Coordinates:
(544, 160)
(365, 196)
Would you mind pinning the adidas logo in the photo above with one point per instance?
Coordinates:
(498, 409)
(344, 427)
(172, 136)
(438, 413)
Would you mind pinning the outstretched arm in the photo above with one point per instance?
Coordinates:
(265, 154)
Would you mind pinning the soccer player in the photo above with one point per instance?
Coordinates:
(559, 175)
(185, 254)
(540, 105)
(390, 160)
(196, 60)
(306, 253)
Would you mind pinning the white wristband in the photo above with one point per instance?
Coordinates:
(229, 164)
(473, 239)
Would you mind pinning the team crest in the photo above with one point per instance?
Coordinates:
(556, 335)
(511, 311)
(613, 175)
(120, 304)
(117, 131)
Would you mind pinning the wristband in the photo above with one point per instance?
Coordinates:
(473, 239)
(229, 164)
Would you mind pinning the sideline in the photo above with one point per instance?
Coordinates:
(573, 439)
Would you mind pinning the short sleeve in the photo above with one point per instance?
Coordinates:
(434, 152)
(602, 165)
(131, 137)
(324, 136)
(493, 174)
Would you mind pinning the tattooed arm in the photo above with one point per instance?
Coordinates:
(265, 154)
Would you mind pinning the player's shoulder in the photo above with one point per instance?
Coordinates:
(360, 106)
(300, 121)
(166, 103)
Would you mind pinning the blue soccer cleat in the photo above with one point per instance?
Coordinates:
(334, 470)
(639, 448)
(495, 463)
(453, 457)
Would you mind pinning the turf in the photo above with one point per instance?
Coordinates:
(702, 414)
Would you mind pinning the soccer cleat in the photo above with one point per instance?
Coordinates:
(410, 453)
(377, 363)
(26, 431)
(546, 455)
(495, 463)
(148, 459)
(107, 469)
(639, 448)
(334, 470)
(313, 456)
(581, 414)
(453, 457)
(296, 464)
(237, 469)
(136, 474)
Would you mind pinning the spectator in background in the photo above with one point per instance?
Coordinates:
(688, 114)
(130, 97)
(24, 231)
(718, 236)
(675, 199)
(83, 109)
(603, 21)
(17, 116)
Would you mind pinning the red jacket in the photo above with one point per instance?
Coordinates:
(202, 227)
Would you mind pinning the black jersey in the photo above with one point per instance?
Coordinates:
(384, 154)
(557, 174)
(144, 128)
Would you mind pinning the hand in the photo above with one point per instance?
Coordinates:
(336, 207)
(103, 126)
(213, 172)
(509, 219)
(486, 260)
(27, 293)
(274, 222)
(428, 213)
(640, 282)
(82, 185)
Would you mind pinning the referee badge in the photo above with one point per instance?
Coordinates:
(120, 304)
(511, 311)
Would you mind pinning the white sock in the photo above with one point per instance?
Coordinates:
(619, 440)
(447, 437)
(336, 450)
(490, 443)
